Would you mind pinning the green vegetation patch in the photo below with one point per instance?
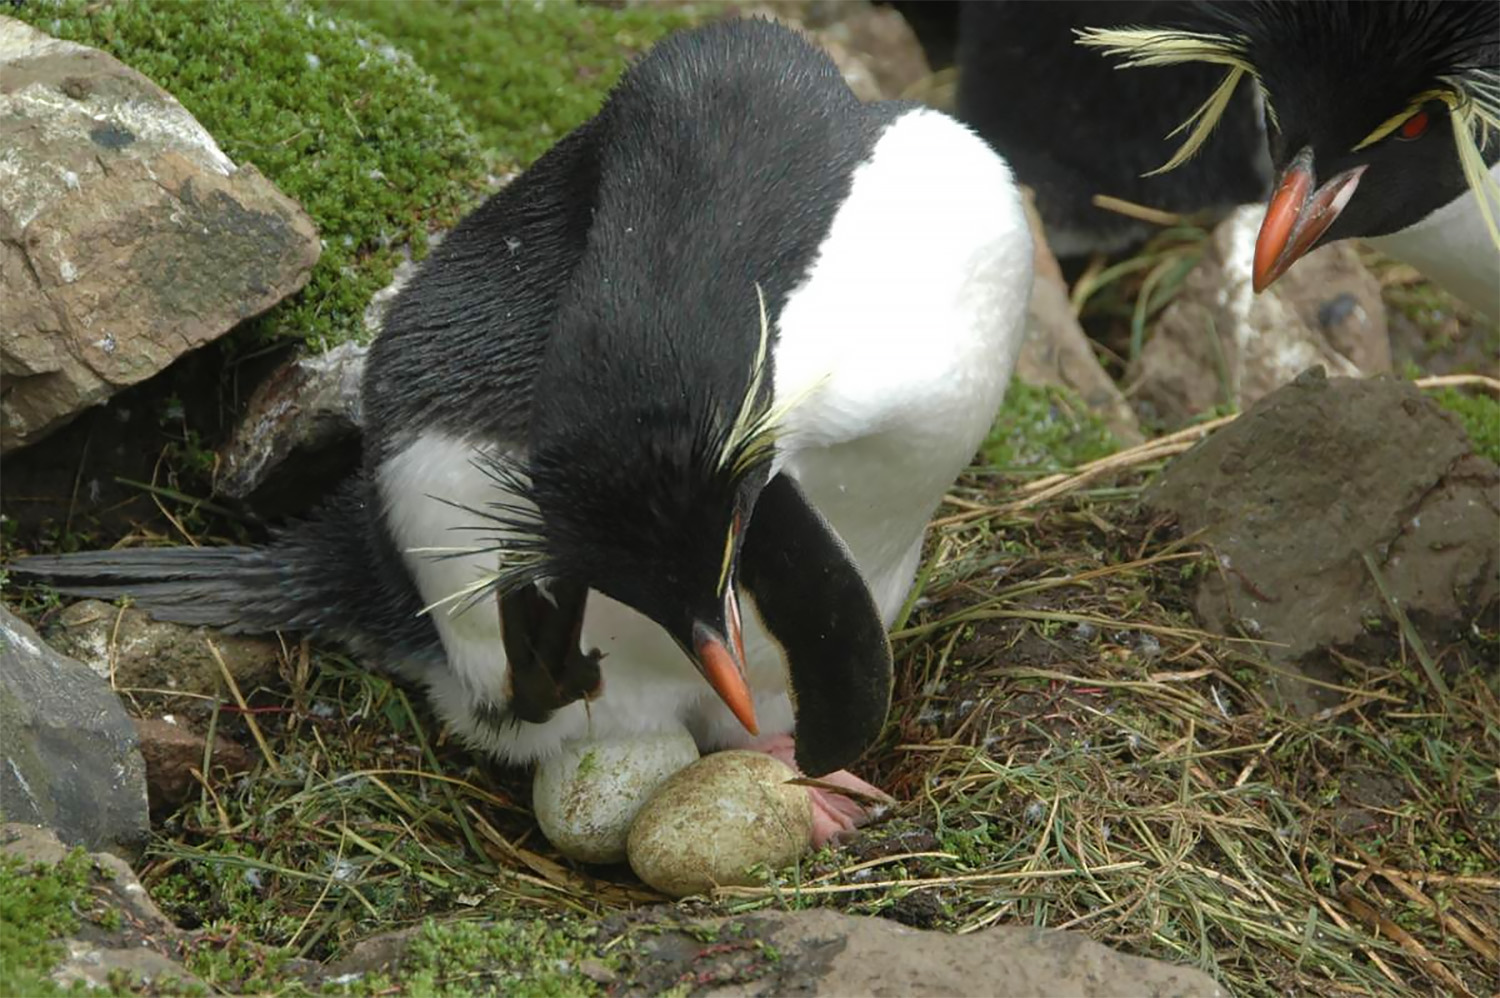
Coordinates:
(1480, 415)
(332, 113)
(531, 958)
(1045, 428)
(39, 905)
(526, 73)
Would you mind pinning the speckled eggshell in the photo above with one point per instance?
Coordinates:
(713, 821)
(586, 797)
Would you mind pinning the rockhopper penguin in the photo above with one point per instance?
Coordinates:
(1383, 121)
(681, 399)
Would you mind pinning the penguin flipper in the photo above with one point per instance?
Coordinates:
(839, 659)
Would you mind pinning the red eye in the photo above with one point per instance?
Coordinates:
(1415, 126)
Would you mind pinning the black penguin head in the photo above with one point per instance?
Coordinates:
(655, 517)
(1377, 114)
(649, 449)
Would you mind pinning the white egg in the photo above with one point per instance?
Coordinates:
(586, 797)
(713, 821)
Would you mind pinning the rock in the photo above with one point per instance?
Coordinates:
(1220, 343)
(1057, 351)
(713, 821)
(586, 796)
(825, 952)
(141, 653)
(172, 749)
(1293, 494)
(69, 752)
(126, 236)
(309, 404)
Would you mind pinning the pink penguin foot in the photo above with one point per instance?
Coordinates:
(834, 814)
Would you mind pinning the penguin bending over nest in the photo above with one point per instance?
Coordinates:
(724, 347)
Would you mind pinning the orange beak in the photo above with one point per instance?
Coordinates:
(1298, 215)
(721, 660)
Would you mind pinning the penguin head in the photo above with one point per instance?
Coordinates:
(656, 519)
(1376, 114)
(650, 443)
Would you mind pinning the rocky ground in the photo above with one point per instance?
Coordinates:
(1198, 690)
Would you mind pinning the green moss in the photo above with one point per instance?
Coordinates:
(326, 109)
(529, 958)
(1045, 428)
(230, 963)
(39, 905)
(1480, 415)
(525, 73)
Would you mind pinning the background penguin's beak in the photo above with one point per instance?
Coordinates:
(1298, 215)
(719, 654)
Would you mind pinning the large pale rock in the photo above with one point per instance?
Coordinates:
(1220, 342)
(127, 238)
(1292, 496)
(830, 953)
(68, 756)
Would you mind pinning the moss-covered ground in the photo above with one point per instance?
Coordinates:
(39, 904)
(1067, 747)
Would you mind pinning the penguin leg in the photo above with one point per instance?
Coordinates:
(834, 814)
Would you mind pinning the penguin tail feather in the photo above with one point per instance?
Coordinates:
(238, 589)
(335, 576)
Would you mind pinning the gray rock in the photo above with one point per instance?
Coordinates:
(1057, 351)
(1293, 494)
(1220, 343)
(127, 237)
(831, 953)
(68, 756)
(141, 653)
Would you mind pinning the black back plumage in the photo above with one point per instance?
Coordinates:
(1073, 126)
(601, 314)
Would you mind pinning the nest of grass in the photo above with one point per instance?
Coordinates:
(1069, 751)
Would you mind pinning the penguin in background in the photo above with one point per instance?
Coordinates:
(1383, 122)
(1071, 126)
(653, 436)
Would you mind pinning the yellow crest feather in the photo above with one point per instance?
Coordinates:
(1157, 47)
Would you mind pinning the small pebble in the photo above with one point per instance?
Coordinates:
(713, 821)
(586, 796)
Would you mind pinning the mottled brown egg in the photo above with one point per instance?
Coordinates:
(710, 823)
